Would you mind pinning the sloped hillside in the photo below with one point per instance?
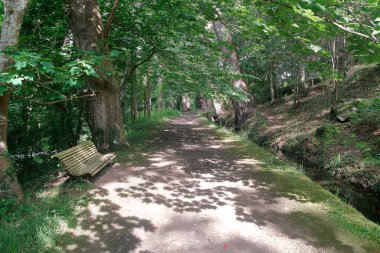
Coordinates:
(322, 146)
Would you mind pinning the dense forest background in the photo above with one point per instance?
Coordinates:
(300, 77)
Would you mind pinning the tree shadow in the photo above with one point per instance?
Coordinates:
(187, 170)
(105, 230)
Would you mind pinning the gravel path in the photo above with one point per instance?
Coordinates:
(189, 191)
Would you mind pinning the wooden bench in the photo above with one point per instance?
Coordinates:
(83, 159)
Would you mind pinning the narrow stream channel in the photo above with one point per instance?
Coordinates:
(367, 204)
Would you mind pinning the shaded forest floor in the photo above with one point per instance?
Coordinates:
(193, 188)
(322, 147)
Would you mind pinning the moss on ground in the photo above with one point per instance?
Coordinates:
(332, 219)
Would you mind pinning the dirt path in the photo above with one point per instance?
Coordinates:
(190, 191)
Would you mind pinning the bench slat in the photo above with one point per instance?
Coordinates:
(83, 159)
(83, 155)
(88, 167)
(94, 165)
(70, 150)
(78, 167)
(95, 171)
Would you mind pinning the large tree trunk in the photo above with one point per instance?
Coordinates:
(106, 117)
(232, 63)
(12, 21)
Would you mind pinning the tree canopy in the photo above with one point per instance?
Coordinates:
(149, 54)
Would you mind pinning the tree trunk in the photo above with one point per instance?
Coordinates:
(134, 112)
(173, 103)
(334, 65)
(201, 102)
(149, 98)
(12, 21)
(185, 103)
(232, 63)
(106, 118)
(302, 80)
(296, 95)
(160, 99)
(218, 108)
(145, 95)
(272, 82)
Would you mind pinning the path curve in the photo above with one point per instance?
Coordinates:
(187, 190)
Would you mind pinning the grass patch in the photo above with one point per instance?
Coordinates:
(35, 224)
(145, 127)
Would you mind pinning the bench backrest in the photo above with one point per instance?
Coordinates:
(76, 158)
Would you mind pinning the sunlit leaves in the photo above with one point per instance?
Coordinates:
(35, 70)
(48, 67)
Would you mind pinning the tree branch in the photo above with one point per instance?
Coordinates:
(333, 22)
(135, 66)
(34, 101)
(362, 25)
(348, 29)
(110, 19)
(49, 89)
(129, 72)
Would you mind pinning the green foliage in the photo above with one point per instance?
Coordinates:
(39, 222)
(368, 115)
(304, 150)
(327, 133)
(37, 70)
(257, 132)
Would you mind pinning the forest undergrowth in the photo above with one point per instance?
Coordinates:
(321, 146)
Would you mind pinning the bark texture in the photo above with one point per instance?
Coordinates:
(134, 111)
(217, 105)
(160, 99)
(273, 81)
(186, 103)
(201, 102)
(149, 98)
(12, 21)
(232, 64)
(106, 118)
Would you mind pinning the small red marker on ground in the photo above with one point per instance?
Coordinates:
(225, 246)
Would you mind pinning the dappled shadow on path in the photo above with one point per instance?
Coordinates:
(190, 183)
(103, 229)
